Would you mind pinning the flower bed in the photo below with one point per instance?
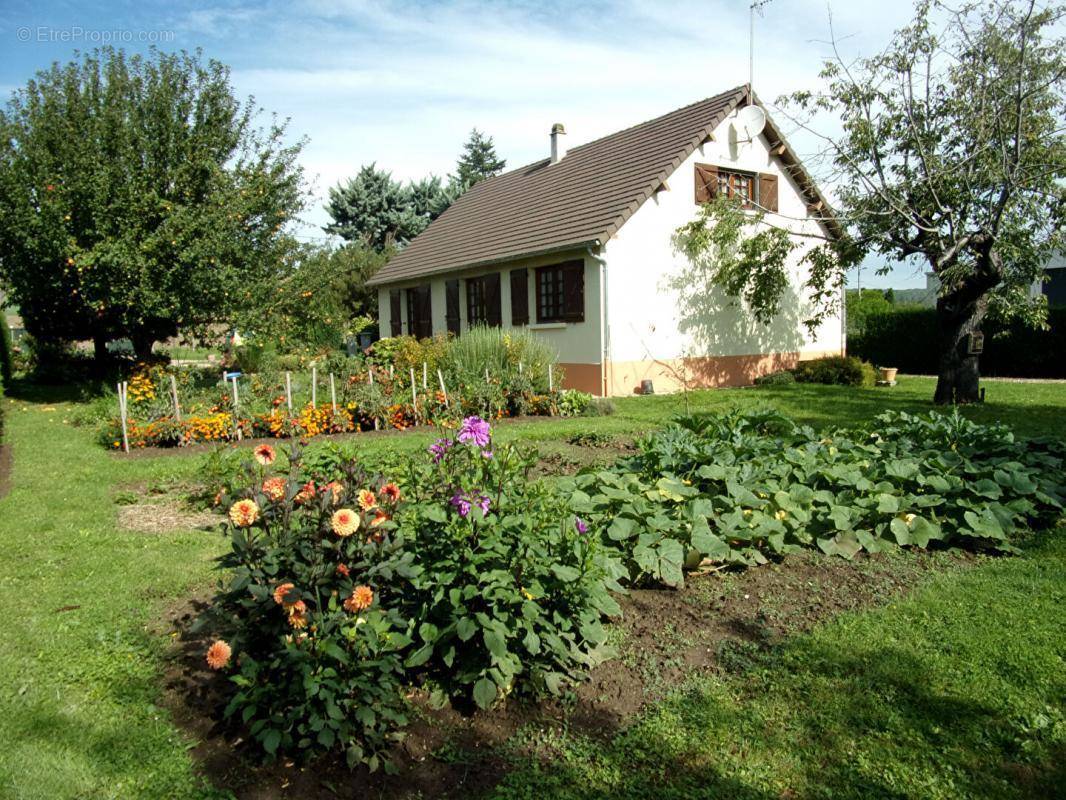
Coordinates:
(465, 578)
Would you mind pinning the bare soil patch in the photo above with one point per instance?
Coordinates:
(714, 624)
(164, 517)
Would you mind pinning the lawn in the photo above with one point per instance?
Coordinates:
(955, 691)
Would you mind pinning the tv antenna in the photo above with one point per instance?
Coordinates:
(757, 5)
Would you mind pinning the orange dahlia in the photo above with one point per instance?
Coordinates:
(362, 597)
(342, 569)
(345, 522)
(265, 455)
(298, 614)
(367, 499)
(306, 493)
(281, 590)
(379, 517)
(218, 654)
(335, 489)
(274, 489)
(243, 513)
(391, 492)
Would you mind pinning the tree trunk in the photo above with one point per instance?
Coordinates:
(99, 350)
(958, 316)
(142, 345)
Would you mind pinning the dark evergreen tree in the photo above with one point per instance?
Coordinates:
(477, 161)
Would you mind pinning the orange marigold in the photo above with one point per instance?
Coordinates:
(281, 590)
(274, 489)
(265, 454)
(391, 492)
(367, 499)
(243, 513)
(298, 614)
(362, 597)
(218, 654)
(345, 522)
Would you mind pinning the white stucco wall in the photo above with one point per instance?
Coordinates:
(576, 342)
(647, 316)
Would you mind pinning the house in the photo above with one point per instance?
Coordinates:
(578, 247)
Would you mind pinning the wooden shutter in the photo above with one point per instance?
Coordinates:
(706, 182)
(768, 191)
(574, 291)
(519, 297)
(395, 323)
(451, 306)
(493, 309)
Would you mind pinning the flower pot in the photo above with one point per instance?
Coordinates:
(888, 375)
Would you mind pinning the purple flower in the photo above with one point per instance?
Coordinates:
(582, 528)
(475, 430)
(461, 503)
(439, 448)
(486, 454)
(484, 503)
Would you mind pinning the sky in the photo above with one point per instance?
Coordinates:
(402, 84)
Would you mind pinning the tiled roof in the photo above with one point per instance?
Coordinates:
(543, 207)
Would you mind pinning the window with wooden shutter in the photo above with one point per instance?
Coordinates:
(519, 297)
(451, 306)
(419, 312)
(395, 323)
(706, 183)
(561, 292)
(768, 191)
(483, 300)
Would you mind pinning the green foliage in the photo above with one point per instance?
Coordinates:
(782, 377)
(573, 403)
(743, 487)
(7, 359)
(477, 161)
(500, 352)
(836, 371)
(510, 592)
(870, 302)
(374, 211)
(314, 672)
(900, 339)
(138, 196)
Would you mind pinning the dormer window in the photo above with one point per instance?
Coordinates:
(751, 188)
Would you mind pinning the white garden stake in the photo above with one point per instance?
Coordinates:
(551, 380)
(288, 391)
(519, 367)
(414, 397)
(122, 415)
(332, 393)
(314, 387)
(392, 373)
(424, 384)
(174, 397)
(443, 391)
(236, 408)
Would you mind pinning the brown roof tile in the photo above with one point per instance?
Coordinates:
(542, 207)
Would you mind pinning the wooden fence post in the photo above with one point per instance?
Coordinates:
(122, 414)
(444, 391)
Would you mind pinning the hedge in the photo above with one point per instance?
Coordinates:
(906, 339)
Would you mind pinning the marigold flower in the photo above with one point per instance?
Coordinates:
(344, 521)
(362, 597)
(218, 654)
(367, 499)
(281, 590)
(243, 513)
(342, 569)
(265, 454)
(274, 489)
(298, 614)
(391, 492)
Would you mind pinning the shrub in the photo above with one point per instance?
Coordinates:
(782, 377)
(500, 352)
(511, 587)
(573, 403)
(600, 407)
(837, 371)
(307, 616)
(741, 487)
(7, 361)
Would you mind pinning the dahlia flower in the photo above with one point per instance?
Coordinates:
(345, 522)
(265, 454)
(218, 654)
(362, 597)
(243, 513)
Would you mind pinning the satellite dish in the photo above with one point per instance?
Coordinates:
(750, 122)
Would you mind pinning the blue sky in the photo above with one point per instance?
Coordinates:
(402, 83)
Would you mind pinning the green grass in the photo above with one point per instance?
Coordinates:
(954, 692)
(80, 690)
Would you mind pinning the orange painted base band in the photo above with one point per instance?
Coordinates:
(671, 375)
(583, 377)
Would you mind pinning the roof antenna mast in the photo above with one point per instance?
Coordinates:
(755, 6)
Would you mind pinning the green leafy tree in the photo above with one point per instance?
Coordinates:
(952, 153)
(477, 161)
(138, 197)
